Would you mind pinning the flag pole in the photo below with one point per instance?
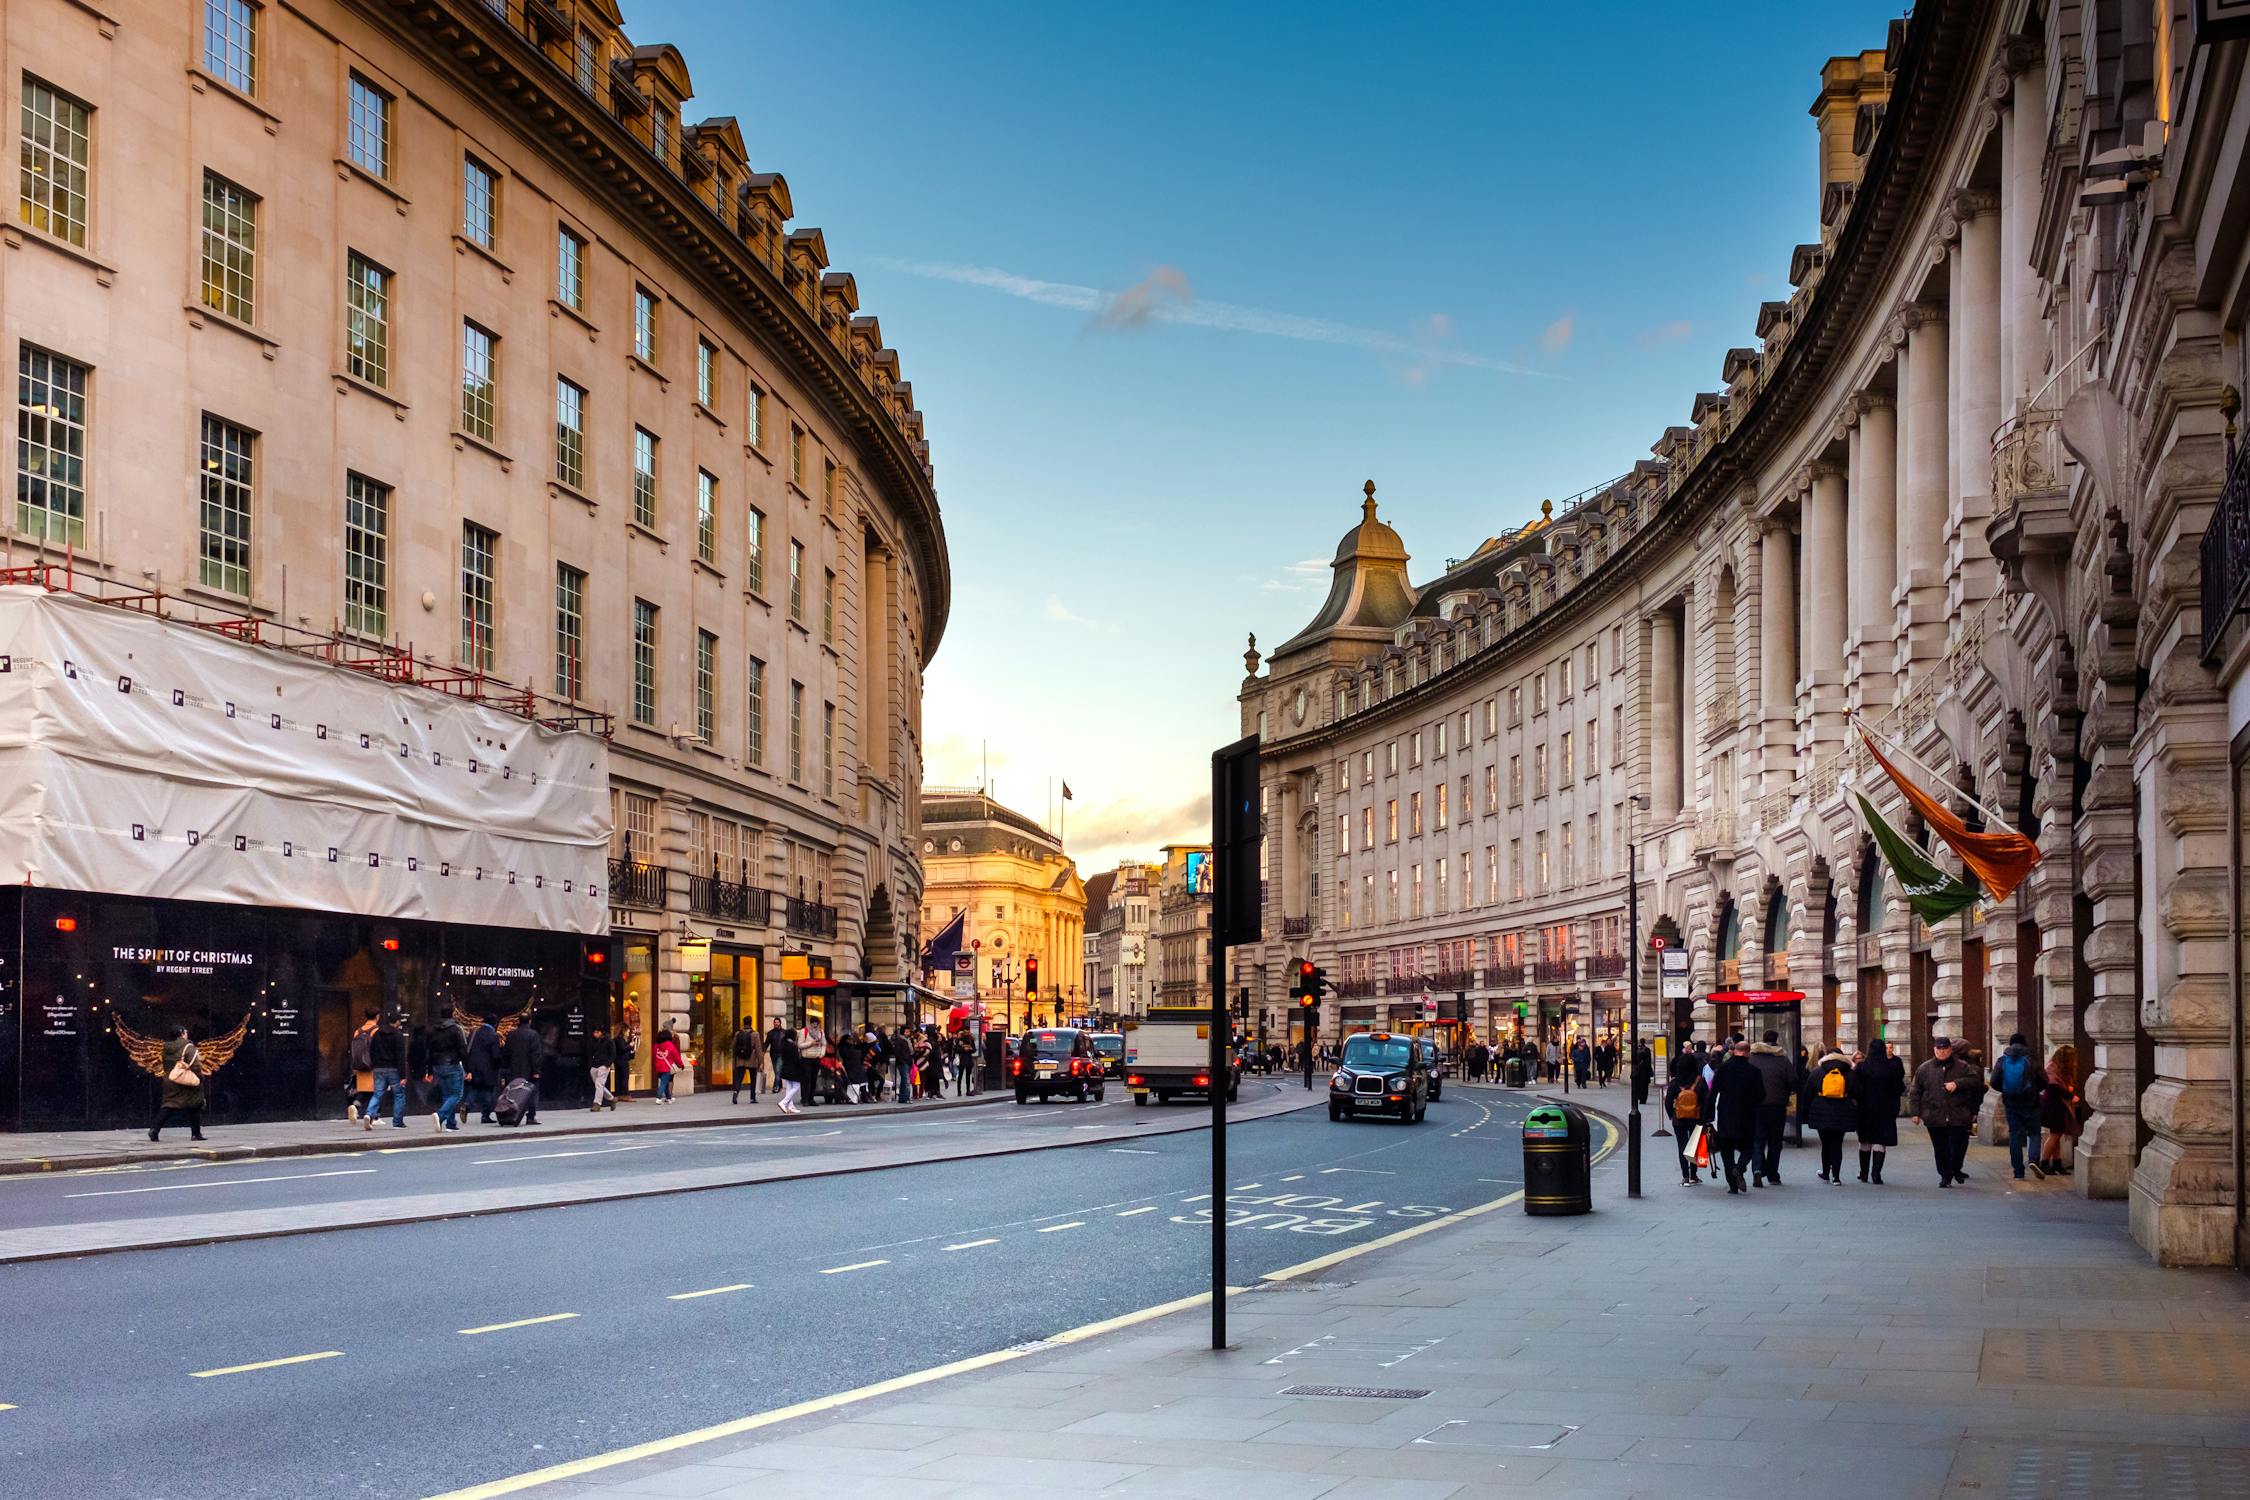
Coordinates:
(1919, 764)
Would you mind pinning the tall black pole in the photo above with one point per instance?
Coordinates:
(1221, 1023)
(1633, 1015)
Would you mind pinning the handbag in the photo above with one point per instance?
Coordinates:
(183, 1075)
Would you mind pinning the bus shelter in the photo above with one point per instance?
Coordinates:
(1753, 1013)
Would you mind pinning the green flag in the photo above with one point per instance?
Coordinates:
(1932, 893)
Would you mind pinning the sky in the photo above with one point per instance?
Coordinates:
(1172, 282)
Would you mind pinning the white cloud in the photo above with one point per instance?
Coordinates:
(1556, 336)
(1225, 317)
(1299, 577)
(1061, 614)
(1666, 333)
(1137, 305)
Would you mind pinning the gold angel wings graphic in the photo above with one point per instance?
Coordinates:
(470, 1020)
(147, 1052)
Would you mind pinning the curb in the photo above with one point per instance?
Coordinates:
(35, 1166)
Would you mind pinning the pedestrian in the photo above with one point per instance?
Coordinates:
(1644, 1073)
(749, 1059)
(1947, 1090)
(1882, 1084)
(2017, 1079)
(446, 1053)
(2061, 1111)
(665, 1058)
(359, 1057)
(1737, 1091)
(386, 1052)
(1553, 1061)
(788, 1066)
(921, 1064)
(182, 1086)
(482, 1070)
(621, 1074)
(964, 1064)
(851, 1052)
(812, 1061)
(775, 1034)
(1778, 1077)
(1831, 1107)
(1581, 1061)
(601, 1061)
(521, 1055)
(1687, 1103)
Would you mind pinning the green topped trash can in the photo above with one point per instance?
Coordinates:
(1558, 1161)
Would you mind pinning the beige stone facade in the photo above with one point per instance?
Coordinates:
(436, 325)
(1957, 486)
(1183, 925)
(1025, 904)
(1121, 938)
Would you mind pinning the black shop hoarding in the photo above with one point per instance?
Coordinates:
(91, 985)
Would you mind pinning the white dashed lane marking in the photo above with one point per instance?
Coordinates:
(970, 1244)
(715, 1291)
(1058, 1228)
(857, 1265)
(1128, 1213)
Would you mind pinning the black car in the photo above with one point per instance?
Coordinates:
(1060, 1060)
(1381, 1074)
(1110, 1047)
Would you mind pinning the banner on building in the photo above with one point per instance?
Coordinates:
(1932, 893)
(1999, 860)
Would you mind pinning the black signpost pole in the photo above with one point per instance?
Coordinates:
(1633, 1017)
(1235, 918)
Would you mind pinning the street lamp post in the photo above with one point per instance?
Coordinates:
(1633, 998)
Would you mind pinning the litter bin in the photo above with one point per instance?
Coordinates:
(1558, 1164)
(1518, 1075)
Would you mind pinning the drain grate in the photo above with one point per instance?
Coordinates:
(1364, 1392)
(2209, 1360)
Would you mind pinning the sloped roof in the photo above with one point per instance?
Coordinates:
(1369, 593)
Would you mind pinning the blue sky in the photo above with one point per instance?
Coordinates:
(1171, 282)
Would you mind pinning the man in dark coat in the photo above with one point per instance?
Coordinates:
(1737, 1090)
(484, 1069)
(1779, 1075)
(1882, 1084)
(520, 1057)
(1644, 1073)
(1947, 1092)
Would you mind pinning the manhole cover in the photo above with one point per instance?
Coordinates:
(2083, 1472)
(1365, 1392)
(2208, 1360)
(1521, 1437)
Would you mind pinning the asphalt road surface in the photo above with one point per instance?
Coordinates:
(409, 1360)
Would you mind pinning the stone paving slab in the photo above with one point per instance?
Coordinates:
(1804, 1340)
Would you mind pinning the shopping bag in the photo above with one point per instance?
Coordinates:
(1701, 1148)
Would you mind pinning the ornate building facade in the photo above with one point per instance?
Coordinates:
(1024, 900)
(1977, 481)
(436, 328)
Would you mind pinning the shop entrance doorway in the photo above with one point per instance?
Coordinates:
(718, 1003)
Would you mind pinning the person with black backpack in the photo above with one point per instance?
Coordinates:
(2019, 1083)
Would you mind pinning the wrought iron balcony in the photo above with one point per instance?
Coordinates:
(1503, 976)
(632, 883)
(1556, 971)
(1352, 989)
(811, 918)
(1606, 966)
(2226, 551)
(728, 900)
(1449, 979)
(1296, 926)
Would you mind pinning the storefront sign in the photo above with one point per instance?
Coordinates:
(184, 960)
(282, 1019)
(695, 955)
(61, 1017)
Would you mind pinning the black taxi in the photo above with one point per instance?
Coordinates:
(1382, 1073)
(1056, 1060)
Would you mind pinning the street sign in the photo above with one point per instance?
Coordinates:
(1429, 1009)
(1659, 942)
(1675, 961)
(1675, 987)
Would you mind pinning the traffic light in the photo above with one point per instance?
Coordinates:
(1309, 985)
(1031, 975)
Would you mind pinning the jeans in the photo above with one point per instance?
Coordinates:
(600, 1075)
(902, 1076)
(1949, 1145)
(744, 1073)
(1766, 1153)
(664, 1087)
(1686, 1135)
(165, 1116)
(387, 1084)
(450, 1086)
(2023, 1131)
(1832, 1152)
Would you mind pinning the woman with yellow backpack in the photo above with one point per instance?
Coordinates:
(1832, 1108)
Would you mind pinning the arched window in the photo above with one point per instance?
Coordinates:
(1871, 893)
(1777, 937)
(1730, 946)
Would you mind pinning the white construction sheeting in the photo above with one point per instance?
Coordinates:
(157, 759)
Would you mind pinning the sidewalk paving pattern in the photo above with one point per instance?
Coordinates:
(2006, 1339)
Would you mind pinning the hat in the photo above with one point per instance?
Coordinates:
(1940, 1043)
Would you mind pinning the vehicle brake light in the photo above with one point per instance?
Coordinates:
(1015, 1067)
(1134, 1080)
(1202, 1080)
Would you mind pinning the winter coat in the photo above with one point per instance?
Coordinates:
(1933, 1105)
(749, 1050)
(484, 1056)
(781, 1046)
(521, 1053)
(1776, 1072)
(1882, 1083)
(1737, 1089)
(1644, 1066)
(852, 1053)
(182, 1095)
(666, 1057)
(446, 1045)
(2033, 1082)
(386, 1048)
(1832, 1114)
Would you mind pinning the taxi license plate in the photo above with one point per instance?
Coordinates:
(1046, 1067)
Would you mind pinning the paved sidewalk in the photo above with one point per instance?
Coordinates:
(2001, 1339)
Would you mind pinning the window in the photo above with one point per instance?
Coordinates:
(644, 662)
(1593, 727)
(754, 723)
(1440, 737)
(1593, 845)
(1491, 717)
(1491, 789)
(1539, 770)
(367, 127)
(1562, 678)
(476, 381)
(480, 203)
(230, 43)
(1464, 736)
(223, 551)
(796, 580)
(1515, 781)
(1593, 665)
(644, 478)
(1617, 735)
(1414, 749)
(828, 749)
(1569, 764)
(1442, 902)
(828, 605)
(1367, 827)
(757, 434)
(706, 517)
(50, 446)
(644, 324)
(659, 131)
(570, 632)
(1390, 758)
(480, 552)
(796, 455)
(585, 57)
(1515, 707)
(1390, 900)
(1390, 821)
(1539, 693)
(1441, 798)
(1540, 855)
(1567, 867)
(367, 555)
(754, 566)
(828, 483)
(706, 373)
(1617, 648)
(1491, 874)
(1366, 768)
(570, 269)
(1416, 885)
(230, 248)
(367, 320)
(570, 433)
(706, 685)
(1414, 815)
(796, 731)
(55, 157)
(1515, 867)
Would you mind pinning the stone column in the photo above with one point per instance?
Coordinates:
(1971, 575)
(1777, 623)
(1664, 727)
(1827, 562)
(2104, 832)
(1874, 525)
(1292, 803)
(2023, 148)
(1922, 448)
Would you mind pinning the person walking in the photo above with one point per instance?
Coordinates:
(781, 1051)
(386, 1052)
(627, 1047)
(482, 1070)
(964, 1064)
(749, 1051)
(1644, 1073)
(601, 1059)
(521, 1056)
(2017, 1079)
(1947, 1090)
(1687, 1104)
(775, 1034)
(1882, 1084)
(812, 1058)
(358, 1057)
(2059, 1111)
(1831, 1107)
(1552, 1061)
(1778, 1077)
(1581, 1061)
(665, 1058)
(182, 1093)
(1738, 1089)
(445, 1052)
(851, 1051)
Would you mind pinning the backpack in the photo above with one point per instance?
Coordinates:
(2015, 1077)
(363, 1051)
(1686, 1105)
(1832, 1084)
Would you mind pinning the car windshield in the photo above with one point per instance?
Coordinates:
(1375, 1052)
(1110, 1046)
(1050, 1043)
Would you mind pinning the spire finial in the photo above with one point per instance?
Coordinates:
(1367, 506)
(1546, 510)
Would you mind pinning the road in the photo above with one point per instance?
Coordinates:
(427, 1356)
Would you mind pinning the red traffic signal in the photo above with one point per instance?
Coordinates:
(1031, 974)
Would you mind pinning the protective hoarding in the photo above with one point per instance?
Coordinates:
(150, 758)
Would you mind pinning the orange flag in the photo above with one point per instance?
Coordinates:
(1999, 860)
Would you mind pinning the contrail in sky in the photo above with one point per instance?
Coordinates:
(1228, 317)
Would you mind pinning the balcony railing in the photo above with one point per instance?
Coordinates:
(1556, 970)
(1449, 979)
(1606, 966)
(1355, 989)
(811, 918)
(2226, 552)
(2027, 457)
(1714, 830)
(632, 883)
(1296, 926)
(728, 900)
(1503, 976)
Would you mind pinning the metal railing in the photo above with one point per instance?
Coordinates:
(1606, 966)
(2027, 457)
(1503, 976)
(1296, 926)
(728, 900)
(1555, 970)
(1714, 830)
(2226, 550)
(1449, 979)
(632, 883)
(811, 918)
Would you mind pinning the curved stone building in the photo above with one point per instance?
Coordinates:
(436, 327)
(1977, 479)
